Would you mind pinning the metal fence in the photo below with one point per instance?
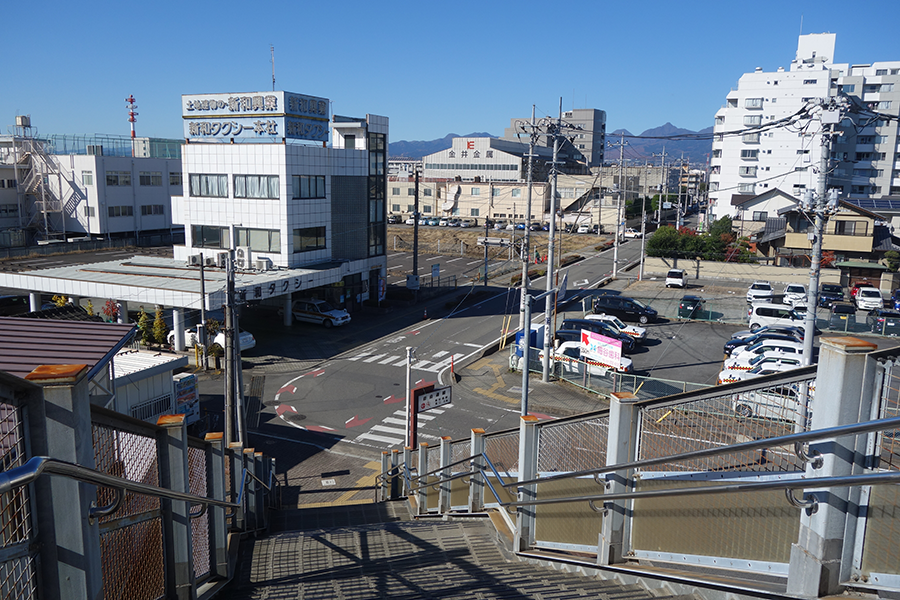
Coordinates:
(17, 565)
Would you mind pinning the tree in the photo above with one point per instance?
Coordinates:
(59, 300)
(90, 308)
(159, 327)
(892, 258)
(144, 328)
(666, 241)
(111, 311)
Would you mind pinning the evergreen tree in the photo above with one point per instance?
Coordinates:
(144, 328)
(159, 327)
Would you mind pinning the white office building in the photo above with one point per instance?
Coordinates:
(787, 156)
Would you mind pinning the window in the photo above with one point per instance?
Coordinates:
(259, 240)
(426, 209)
(175, 178)
(881, 139)
(9, 210)
(753, 120)
(748, 171)
(256, 186)
(732, 103)
(410, 208)
(847, 88)
(760, 215)
(495, 192)
(410, 191)
(810, 81)
(753, 103)
(750, 138)
(516, 193)
(749, 154)
(428, 192)
(309, 238)
(720, 120)
(850, 227)
(886, 87)
(863, 156)
(717, 154)
(350, 142)
(476, 191)
(209, 186)
(860, 189)
(394, 192)
(120, 211)
(89, 211)
(395, 208)
(865, 139)
(87, 177)
(153, 178)
(152, 209)
(207, 236)
(311, 186)
(881, 72)
(746, 188)
(474, 212)
(122, 178)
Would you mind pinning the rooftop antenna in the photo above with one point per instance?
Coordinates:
(272, 48)
(801, 24)
(132, 118)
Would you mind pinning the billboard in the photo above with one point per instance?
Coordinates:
(255, 115)
(604, 350)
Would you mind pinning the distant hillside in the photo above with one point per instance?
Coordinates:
(638, 148)
(420, 148)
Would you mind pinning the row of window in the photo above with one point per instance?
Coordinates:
(395, 191)
(123, 178)
(471, 167)
(211, 185)
(9, 210)
(306, 239)
(8, 183)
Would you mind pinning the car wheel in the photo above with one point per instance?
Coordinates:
(755, 326)
(743, 410)
(643, 319)
(327, 323)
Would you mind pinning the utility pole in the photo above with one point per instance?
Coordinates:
(202, 337)
(643, 222)
(416, 231)
(621, 146)
(830, 115)
(551, 298)
(532, 134)
(663, 184)
(485, 253)
(229, 350)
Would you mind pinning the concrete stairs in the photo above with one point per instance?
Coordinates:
(377, 551)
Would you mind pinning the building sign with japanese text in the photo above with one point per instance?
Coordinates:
(255, 115)
(607, 351)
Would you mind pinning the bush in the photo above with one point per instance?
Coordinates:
(532, 274)
(569, 259)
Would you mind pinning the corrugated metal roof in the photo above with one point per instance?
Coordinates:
(29, 343)
(131, 362)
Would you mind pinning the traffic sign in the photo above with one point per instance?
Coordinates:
(438, 397)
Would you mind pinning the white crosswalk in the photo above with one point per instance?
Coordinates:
(392, 430)
(436, 363)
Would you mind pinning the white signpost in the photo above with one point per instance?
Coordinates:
(601, 348)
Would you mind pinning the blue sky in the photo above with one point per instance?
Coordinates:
(432, 67)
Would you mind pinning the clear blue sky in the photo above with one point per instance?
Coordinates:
(433, 67)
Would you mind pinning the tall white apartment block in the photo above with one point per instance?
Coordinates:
(786, 156)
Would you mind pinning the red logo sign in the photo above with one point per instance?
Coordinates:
(470, 145)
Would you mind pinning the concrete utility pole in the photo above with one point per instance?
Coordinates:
(815, 205)
(551, 298)
(679, 215)
(621, 146)
(643, 223)
(663, 184)
(416, 228)
(532, 135)
(229, 350)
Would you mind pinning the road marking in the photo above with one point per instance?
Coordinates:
(359, 356)
(396, 254)
(381, 438)
(475, 262)
(393, 421)
(434, 258)
(454, 259)
(471, 345)
(389, 359)
(388, 430)
(374, 358)
(440, 354)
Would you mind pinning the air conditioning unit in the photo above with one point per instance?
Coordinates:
(261, 264)
(23, 120)
(210, 261)
(242, 257)
(194, 260)
(222, 259)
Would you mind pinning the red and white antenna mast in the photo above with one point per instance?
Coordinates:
(132, 118)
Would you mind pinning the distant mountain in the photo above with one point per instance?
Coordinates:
(638, 148)
(695, 151)
(420, 148)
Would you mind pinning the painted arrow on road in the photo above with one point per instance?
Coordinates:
(283, 408)
(356, 421)
(391, 400)
(290, 389)
(584, 282)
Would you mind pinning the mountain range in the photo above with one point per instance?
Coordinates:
(640, 148)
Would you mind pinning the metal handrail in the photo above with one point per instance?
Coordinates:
(785, 440)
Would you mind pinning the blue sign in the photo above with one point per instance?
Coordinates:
(255, 115)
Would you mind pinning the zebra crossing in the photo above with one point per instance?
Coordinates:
(392, 429)
(437, 362)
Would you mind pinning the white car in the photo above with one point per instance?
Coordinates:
(780, 403)
(632, 233)
(583, 229)
(568, 356)
(794, 294)
(638, 333)
(312, 310)
(192, 338)
(766, 366)
(760, 291)
(748, 357)
(868, 299)
(410, 221)
(500, 225)
(443, 222)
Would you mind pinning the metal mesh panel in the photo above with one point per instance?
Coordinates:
(890, 407)
(228, 460)
(133, 562)
(729, 419)
(15, 516)
(200, 525)
(433, 459)
(458, 451)
(17, 578)
(572, 445)
(130, 456)
(503, 450)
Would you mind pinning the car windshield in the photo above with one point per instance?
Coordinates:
(832, 289)
(640, 304)
(325, 307)
(760, 286)
(869, 292)
(754, 346)
(758, 359)
(794, 289)
(615, 321)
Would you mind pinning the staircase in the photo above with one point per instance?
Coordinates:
(377, 551)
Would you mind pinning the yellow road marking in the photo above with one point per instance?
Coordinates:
(345, 498)
(491, 391)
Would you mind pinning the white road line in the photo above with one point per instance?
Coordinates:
(454, 259)
(391, 430)
(396, 254)
(402, 363)
(474, 262)
(358, 356)
(446, 362)
(379, 438)
(389, 359)
(374, 358)
(471, 345)
(393, 421)
(423, 365)
(401, 413)
(434, 258)
(440, 354)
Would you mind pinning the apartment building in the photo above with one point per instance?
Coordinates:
(759, 146)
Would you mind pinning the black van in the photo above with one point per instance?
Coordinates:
(13, 305)
(627, 309)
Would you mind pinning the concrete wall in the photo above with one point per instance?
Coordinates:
(737, 271)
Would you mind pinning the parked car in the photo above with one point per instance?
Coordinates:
(868, 299)
(500, 225)
(14, 305)
(601, 328)
(312, 310)
(734, 346)
(690, 307)
(638, 333)
(394, 219)
(568, 356)
(794, 293)
(410, 221)
(632, 233)
(443, 222)
(760, 291)
(842, 316)
(434, 222)
(511, 226)
(455, 223)
(675, 278)
(859, 285)
(894, 302)
(766, 365)
(884, 321)
(192, 338)
(535, 226)
(760, 315)
(830, 293)
(744, 358)
(545, 226)
(627, 309)
(467, 223)
(520, 226)
(583, 229)
(792, 330)
(781, 403)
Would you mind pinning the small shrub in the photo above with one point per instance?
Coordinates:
(569, 259)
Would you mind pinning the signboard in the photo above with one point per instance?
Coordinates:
(412, 282)
(667, 205)
(438, 397)
(492, 241)
(601, 348)
(435, 271)
(255, 115)
(382, 288)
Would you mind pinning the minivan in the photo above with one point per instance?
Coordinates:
(761, 315)
(675, 278)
